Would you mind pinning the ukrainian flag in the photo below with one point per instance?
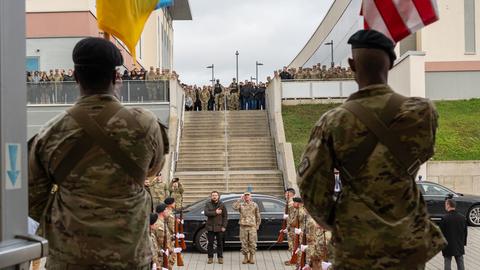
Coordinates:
(125, 19)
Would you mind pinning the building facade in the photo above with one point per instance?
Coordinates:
(55, 26)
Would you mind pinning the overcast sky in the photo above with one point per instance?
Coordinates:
(269, 31)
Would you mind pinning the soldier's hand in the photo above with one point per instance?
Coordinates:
(223, 229)
(306, 267)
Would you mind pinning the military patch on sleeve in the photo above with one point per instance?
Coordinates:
(303, 167)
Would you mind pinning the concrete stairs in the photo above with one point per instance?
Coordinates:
(227, 152)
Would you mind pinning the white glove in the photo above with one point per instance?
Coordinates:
(303, 247)
(163, 268)
(181, 221)
(297, 251)
(154, 266)
(180, 236)
(166, 252)
(298, 231)
(326, 265)
(285, 216)
(177, 250)
(284, 231)
(306, 267)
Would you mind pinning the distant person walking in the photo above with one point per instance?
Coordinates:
(217, 220)
(454, 228)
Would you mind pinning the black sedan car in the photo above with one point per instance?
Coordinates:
(271, 210)
(435, 194)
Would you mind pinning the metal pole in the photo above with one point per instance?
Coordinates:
(333, 63)
(213, 75)
(256, 71)
(236, 54)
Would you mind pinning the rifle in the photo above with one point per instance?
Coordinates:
(281, 234)
(181, 231)
(303, 259)
(177, 244)
(324, 248)
(294, 258)
(165, 246)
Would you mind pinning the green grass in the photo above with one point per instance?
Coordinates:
(458, 136)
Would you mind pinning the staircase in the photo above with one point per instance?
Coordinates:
(228, 152)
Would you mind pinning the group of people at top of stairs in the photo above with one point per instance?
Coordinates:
(317, 72)
(237, 96)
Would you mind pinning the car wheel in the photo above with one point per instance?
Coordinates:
(201, 241)
(474, 216)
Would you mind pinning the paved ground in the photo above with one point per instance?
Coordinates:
(273, 259)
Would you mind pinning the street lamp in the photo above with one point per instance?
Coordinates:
(213, 74)
(256, 69)
(331, 44)
(236, 55)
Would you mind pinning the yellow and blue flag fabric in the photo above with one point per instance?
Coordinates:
(125, 19)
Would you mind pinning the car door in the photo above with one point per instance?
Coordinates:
(233, 229)
(272, 217)
(434, 196)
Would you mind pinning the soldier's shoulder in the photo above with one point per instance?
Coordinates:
(418, 104)
(144, 117)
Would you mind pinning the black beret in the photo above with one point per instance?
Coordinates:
(290, 190)
(374, 40)
(169, 201)
(297, 200)
(96, 53)
(175, 179)
(153, 218)
(160, 208)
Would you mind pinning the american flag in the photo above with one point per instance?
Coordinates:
(398, 19)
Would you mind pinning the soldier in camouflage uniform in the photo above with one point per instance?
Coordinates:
(176, 192)
(204, 98)
(380, 220)
(156, 255)
(95, 209)
(249, 224)
(318, 240)
(298, 224)
(170, 219)
(151, 85)
(220, 101)
(289, 194)
(162, 232)
(158, 189)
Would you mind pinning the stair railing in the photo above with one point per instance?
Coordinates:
(227, 172)
(181, 118)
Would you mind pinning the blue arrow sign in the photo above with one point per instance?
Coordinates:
(13, 155)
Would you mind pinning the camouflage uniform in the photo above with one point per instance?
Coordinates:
(96, 191)
(291, 218)
(316, 239)
(161, 234)
(177, 194)
(233, 101)
(172, 258)
(159, 190)
(298, 222)
(151, 85)
(156, 255)
(381, 220)
(204, 97)
(220, 101)
(249, 224)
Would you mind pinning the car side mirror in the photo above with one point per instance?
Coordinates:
(450, 196)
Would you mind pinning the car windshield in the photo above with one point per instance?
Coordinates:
(195, 205)
(434, 190)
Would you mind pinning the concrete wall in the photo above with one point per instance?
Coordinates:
(407, 77)
(52, 52)
(284, 150)
(452, 85)
(460, 176)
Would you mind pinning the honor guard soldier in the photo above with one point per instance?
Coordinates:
(249, 224)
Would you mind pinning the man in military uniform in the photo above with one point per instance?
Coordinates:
(163, 234)
(88, 178)
(380, 199)
(158, 189)
(289, 195)
(249, 224)
(176, 192)
(233, 101)
(220, 101)
(170, 220)
(156, 255)
(150, 84)
(297, 225)
(204, 98)
(318, 240)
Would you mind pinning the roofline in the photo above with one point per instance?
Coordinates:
(181, 11)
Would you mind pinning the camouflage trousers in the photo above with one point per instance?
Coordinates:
(248, 237)
(204, 106)
(172, 258)
(291, 239)
(57, 265)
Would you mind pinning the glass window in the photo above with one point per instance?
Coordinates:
(273, 207)
(432, 190)
(229, 206)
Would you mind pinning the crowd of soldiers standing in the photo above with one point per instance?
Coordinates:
(166, 200)
(317, 72)
(243, 96)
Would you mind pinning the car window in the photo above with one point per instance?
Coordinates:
(229, 206)
(272, 207)
(433, 190)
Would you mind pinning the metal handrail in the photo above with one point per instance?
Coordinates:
(227, 168)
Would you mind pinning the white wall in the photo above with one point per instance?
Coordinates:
(453, 85)
(53, 52)
(407, 77)
(59, 5)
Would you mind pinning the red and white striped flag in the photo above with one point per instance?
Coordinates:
(397, 19)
